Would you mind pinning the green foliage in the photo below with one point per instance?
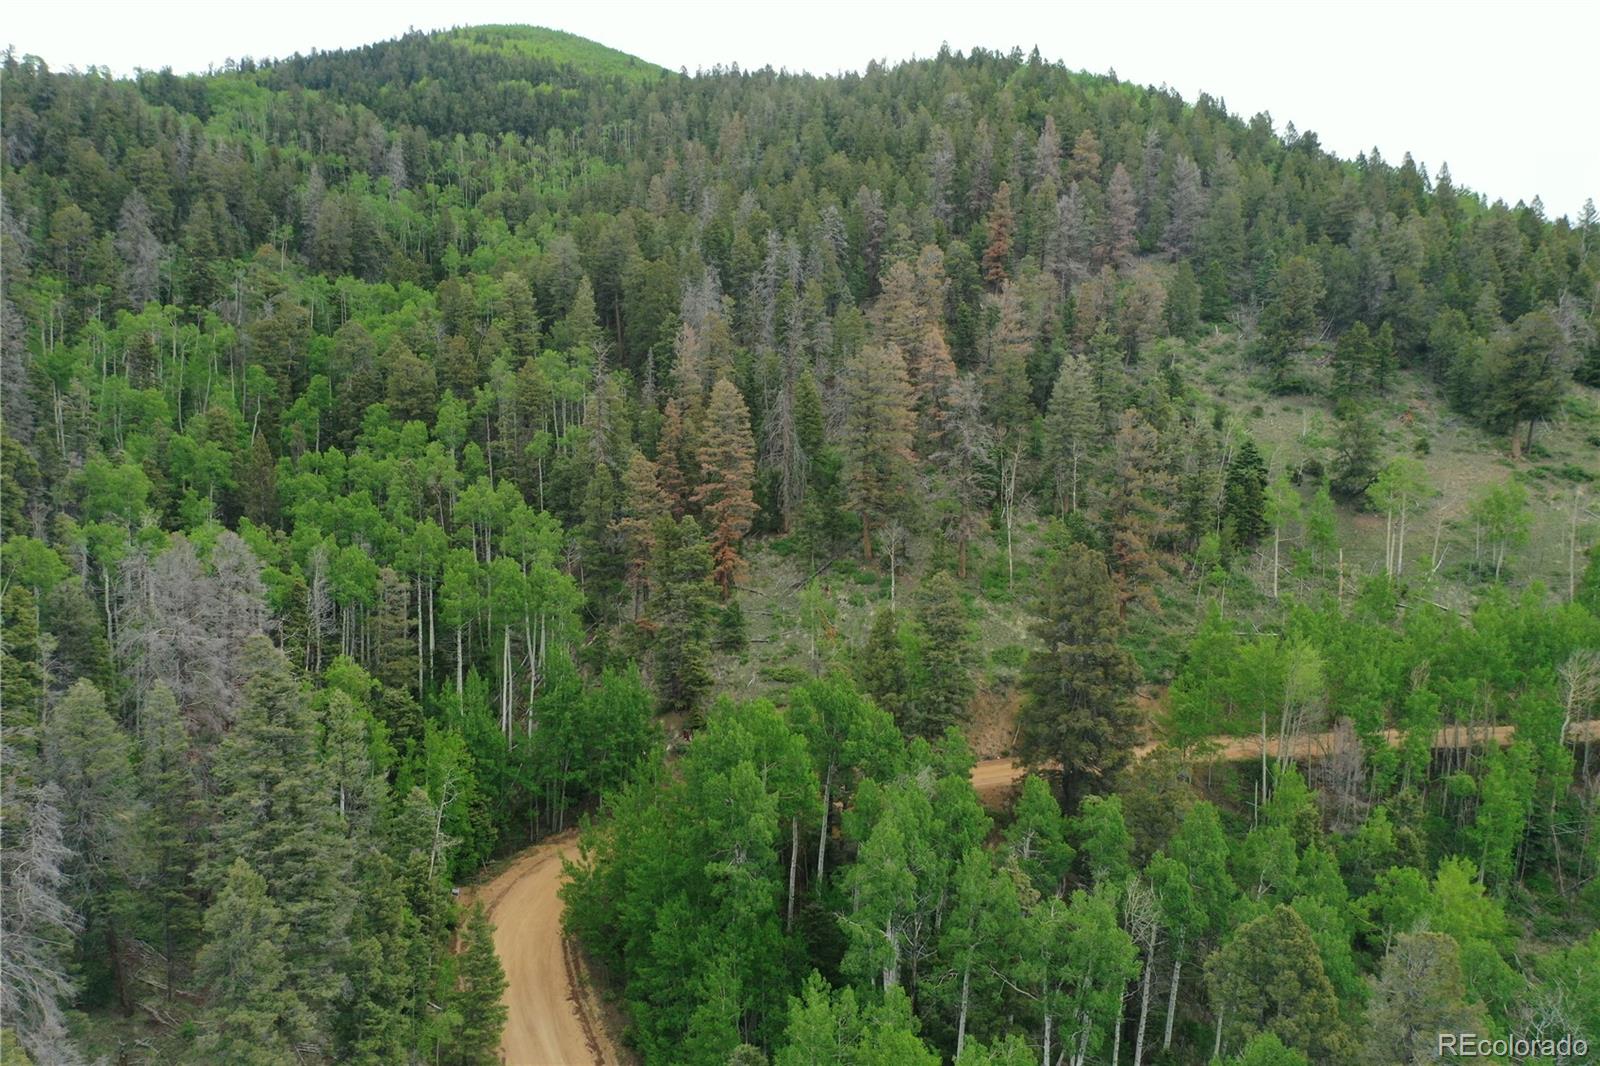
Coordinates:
(1268, 977)
(256, 1016)
(476, 1002)
(943, 683)
(366, 495)
(1077, 685)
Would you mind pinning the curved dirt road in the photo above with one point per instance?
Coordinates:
(551, 1019)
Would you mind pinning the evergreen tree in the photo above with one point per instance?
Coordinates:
(682, 605)
(1355, 466)
(477, 996)
(88, 757)
(254, 1015)
(1001, 227)
(277, 808)
(22, 677)
(882, 669)
(170, 812)
(1076, 716)
(1071, 430)
(1183, 303)
(727, 464)
(877, 437)
(37, 924)
(1269, 977)
(672, 472)
(643, 507)
(944, 685)
(1139, 509)
(1244, 496)
(1420, 993)
(1525, 374)
(1121, 218)
(1352, 364)
(1291, 314)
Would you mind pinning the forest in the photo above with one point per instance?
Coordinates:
(416, 454)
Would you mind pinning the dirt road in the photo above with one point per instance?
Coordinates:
(994, 777)
(552, 1020)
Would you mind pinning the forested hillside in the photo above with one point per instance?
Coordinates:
(415, 451)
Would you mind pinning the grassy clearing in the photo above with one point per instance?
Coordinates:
(1462, 461)
(554, 46)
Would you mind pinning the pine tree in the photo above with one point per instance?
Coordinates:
(1385, 358)
(276, 806)
(672, 472)
(1525, 375)
(727, 464)
(1352, 364)
(963, 462)
(1183, 303)
(682, 605)
(1420, 993)
(258, 489)
(643, 507)
(517, 317)
(1121, 220)
(944, 685)
(1084, 165)
(170, 815)
(254, 1016)
(1297, 290)
(1139, 509)
(476, 999)
(1244, 496)
(1269, 977)
(579, 331)
(395, 661)
(37, 924)
(877, 436)
(22, 678)
(1076, 715)
(1355, 464)
(910, 316)
(1007, 392)
(1187, 204)
(385, 971)
(89, 758)
(1001, 227)
(881, 667)
(412, 390)
(1071, 430)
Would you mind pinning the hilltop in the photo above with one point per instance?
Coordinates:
(555, 46)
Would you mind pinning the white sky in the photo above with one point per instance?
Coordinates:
(1505, 94)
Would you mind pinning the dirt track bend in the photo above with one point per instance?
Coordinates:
(553, 1020)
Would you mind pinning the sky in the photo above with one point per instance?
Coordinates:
(1504, 93)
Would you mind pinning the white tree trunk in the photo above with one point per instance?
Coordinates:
(794, 865)
(1172, 998)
